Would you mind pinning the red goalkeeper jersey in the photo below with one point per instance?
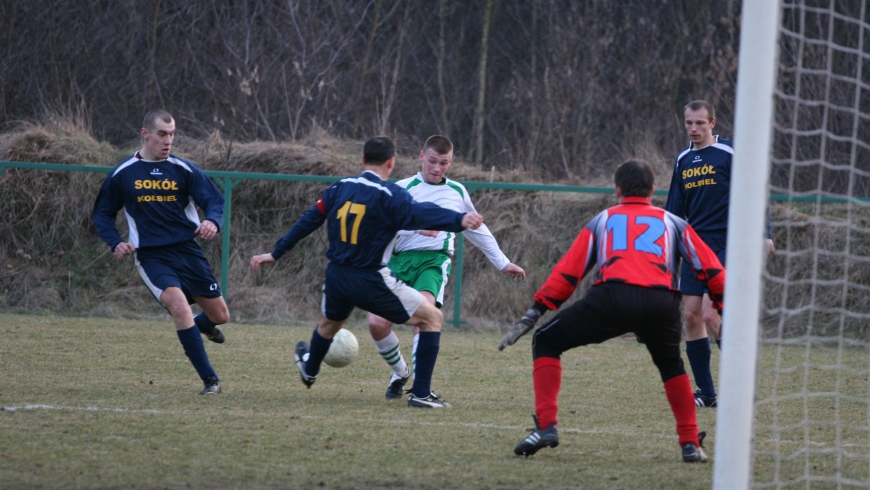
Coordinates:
(633, 243)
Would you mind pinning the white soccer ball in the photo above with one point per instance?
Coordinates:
(343, 350)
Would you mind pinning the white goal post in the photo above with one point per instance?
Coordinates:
(745, 254)
(794, 378)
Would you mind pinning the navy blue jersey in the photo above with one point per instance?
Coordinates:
(363, 215)
(701, 184)
(158, 199)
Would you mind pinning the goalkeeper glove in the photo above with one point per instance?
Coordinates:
(522, 326)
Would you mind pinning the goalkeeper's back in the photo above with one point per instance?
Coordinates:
(633, 243)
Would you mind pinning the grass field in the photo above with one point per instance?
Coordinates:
(100, 403)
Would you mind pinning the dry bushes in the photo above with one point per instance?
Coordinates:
(818, 282)
(52, 260)
(47, 250)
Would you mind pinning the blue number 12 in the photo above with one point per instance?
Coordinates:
(617, 224)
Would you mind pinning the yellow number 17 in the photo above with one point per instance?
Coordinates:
(356, 209)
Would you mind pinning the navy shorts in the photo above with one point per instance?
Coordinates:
(377, 292)
(689, 284)
(182, 265)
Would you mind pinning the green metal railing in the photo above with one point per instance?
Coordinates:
(227, 181)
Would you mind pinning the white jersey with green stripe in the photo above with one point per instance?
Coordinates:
(454, 196)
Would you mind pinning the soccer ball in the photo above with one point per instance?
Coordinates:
(343, 350)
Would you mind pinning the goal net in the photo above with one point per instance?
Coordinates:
(812, 391)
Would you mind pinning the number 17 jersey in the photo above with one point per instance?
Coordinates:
(363, 215)
(633, 243)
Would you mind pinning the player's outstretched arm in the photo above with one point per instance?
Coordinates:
(258, 260)
(304, 226)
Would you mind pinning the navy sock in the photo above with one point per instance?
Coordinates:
(698, 352)
(204, 323)
(719, 344)
(194, 349)
(427, 354)
(316, 352)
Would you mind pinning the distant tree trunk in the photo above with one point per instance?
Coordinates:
(390, 98)
(154, 81)
(477, 131)
(53, 57)
(8, 56)
(365, 66)
(442, 24)
(535, 125)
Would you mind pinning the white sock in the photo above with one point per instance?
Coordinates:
(414, 355)
(388, 348)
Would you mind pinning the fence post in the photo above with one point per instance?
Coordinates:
(457, 283)
(226, 184)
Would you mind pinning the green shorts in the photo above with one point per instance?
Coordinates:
(423, 270)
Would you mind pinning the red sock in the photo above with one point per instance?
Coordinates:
(547, 377)
(679, 393)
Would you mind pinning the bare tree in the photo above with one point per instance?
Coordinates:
(542, 85)
(479, 115)
(442, 41)
(390, 95)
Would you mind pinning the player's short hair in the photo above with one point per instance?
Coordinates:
(696, 105)
(439, 144)
(152, 117)
(635, 178)
(378, 150)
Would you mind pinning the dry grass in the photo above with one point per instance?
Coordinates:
(811, 416)
(96, 403)
(52, 260)
(114, 404)
(60, 265)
